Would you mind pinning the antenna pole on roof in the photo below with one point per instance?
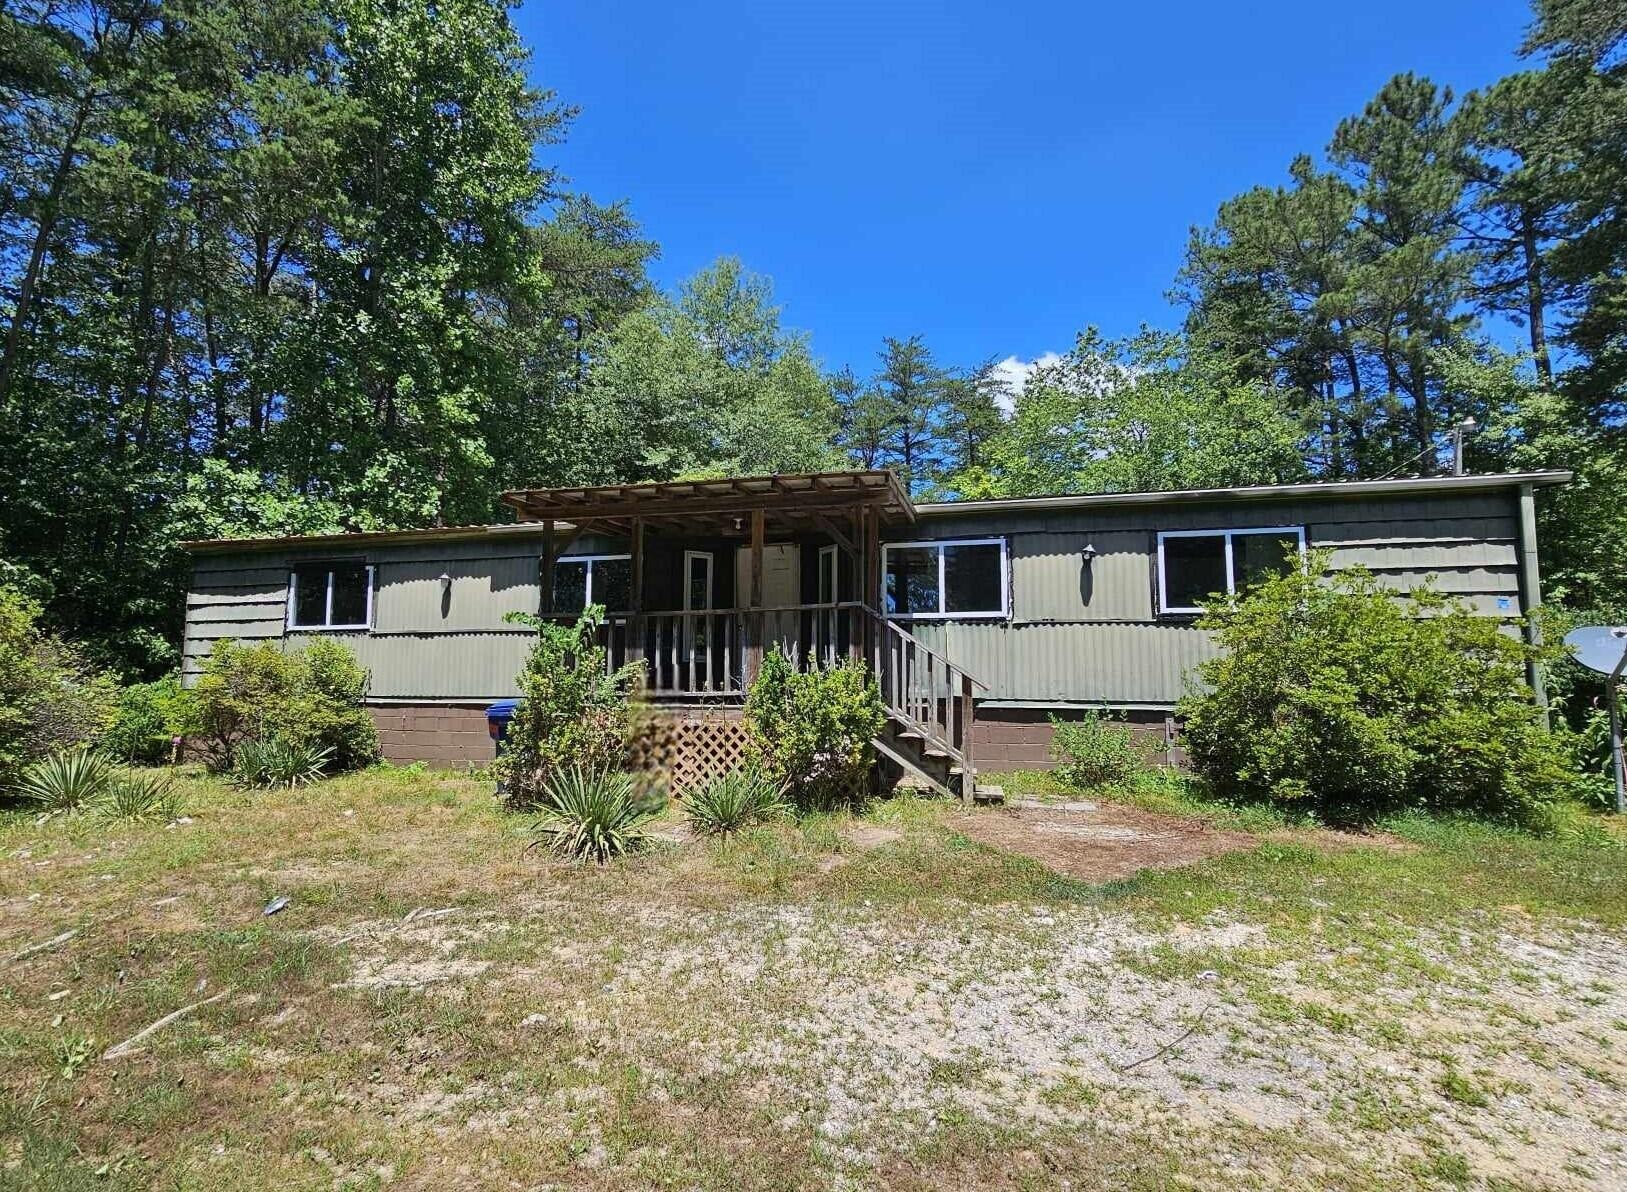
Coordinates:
(1467, 427)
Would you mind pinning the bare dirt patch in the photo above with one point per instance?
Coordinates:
(1102, 844)
(865, 837)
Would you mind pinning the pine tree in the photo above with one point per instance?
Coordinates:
(906, 402)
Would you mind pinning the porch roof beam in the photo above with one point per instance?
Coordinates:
(793, 503)
(831, 528)
(791, 493)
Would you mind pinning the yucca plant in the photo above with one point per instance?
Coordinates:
(136, 798)
(736, 800)
(269, 763)
(594, 814)
(67, 781)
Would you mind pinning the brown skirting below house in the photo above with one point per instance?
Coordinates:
(454, 736)
(1020, 738)
(446, 736)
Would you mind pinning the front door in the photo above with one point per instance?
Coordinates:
(782, 589)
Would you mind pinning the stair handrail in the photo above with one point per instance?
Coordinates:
(895, 627)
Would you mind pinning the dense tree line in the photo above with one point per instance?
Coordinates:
(291, 265)
(1341, 324)
(301, 265)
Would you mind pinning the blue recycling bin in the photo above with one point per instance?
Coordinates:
(497, 720)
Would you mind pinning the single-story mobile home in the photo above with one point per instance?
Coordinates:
(980, 618)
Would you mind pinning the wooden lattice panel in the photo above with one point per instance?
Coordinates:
(707, 747)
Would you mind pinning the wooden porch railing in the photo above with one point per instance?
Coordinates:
(930, 697)
(712, 654)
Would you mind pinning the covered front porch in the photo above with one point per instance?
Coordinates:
(699, 579)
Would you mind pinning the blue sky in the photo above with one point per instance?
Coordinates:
(991, 176)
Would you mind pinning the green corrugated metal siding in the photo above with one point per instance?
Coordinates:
(425, 643)
(442, 666)
(408, 595)
(1078, 634)
(1091, 633)
(1049, 581)
(1116, 662)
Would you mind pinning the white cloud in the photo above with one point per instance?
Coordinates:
(1015, 373)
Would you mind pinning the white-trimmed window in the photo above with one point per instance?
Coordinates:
(955, 578)
(581, 580)
(1194, 565)
(330, 596)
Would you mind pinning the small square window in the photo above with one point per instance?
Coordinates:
(912, 579)
(310, 598)
(1261, 556)
(1194, 570)
(613, 584)
(349, 605)
(570, 586)
(971, 578)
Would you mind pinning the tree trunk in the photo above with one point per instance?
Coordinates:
(1535, 299)
(42, 238)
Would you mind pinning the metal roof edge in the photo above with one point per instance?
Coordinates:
(358, 537)
(1323, 488)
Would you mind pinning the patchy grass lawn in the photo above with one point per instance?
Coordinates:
(875, 1001)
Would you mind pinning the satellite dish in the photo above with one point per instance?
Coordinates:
(1599, 647)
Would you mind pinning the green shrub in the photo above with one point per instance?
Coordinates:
(146, 719)
(594, 814)
(134, 798)
(1095, 751)
(51, 698)
(333, 714)
(67, 781)
(814, 729)
(269, 763)
(574, 715)
(311, 699)
(1591, 749)
(1336, 696)
(735, 800)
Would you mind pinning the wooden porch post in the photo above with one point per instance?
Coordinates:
(873, 583)
(635, 623)
(968, 772)
(858, 623)
(754, 643)
(550, 555)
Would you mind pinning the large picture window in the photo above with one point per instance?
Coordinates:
(581, 580)
(1194, 565)
(331, 596)
(946, 579)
